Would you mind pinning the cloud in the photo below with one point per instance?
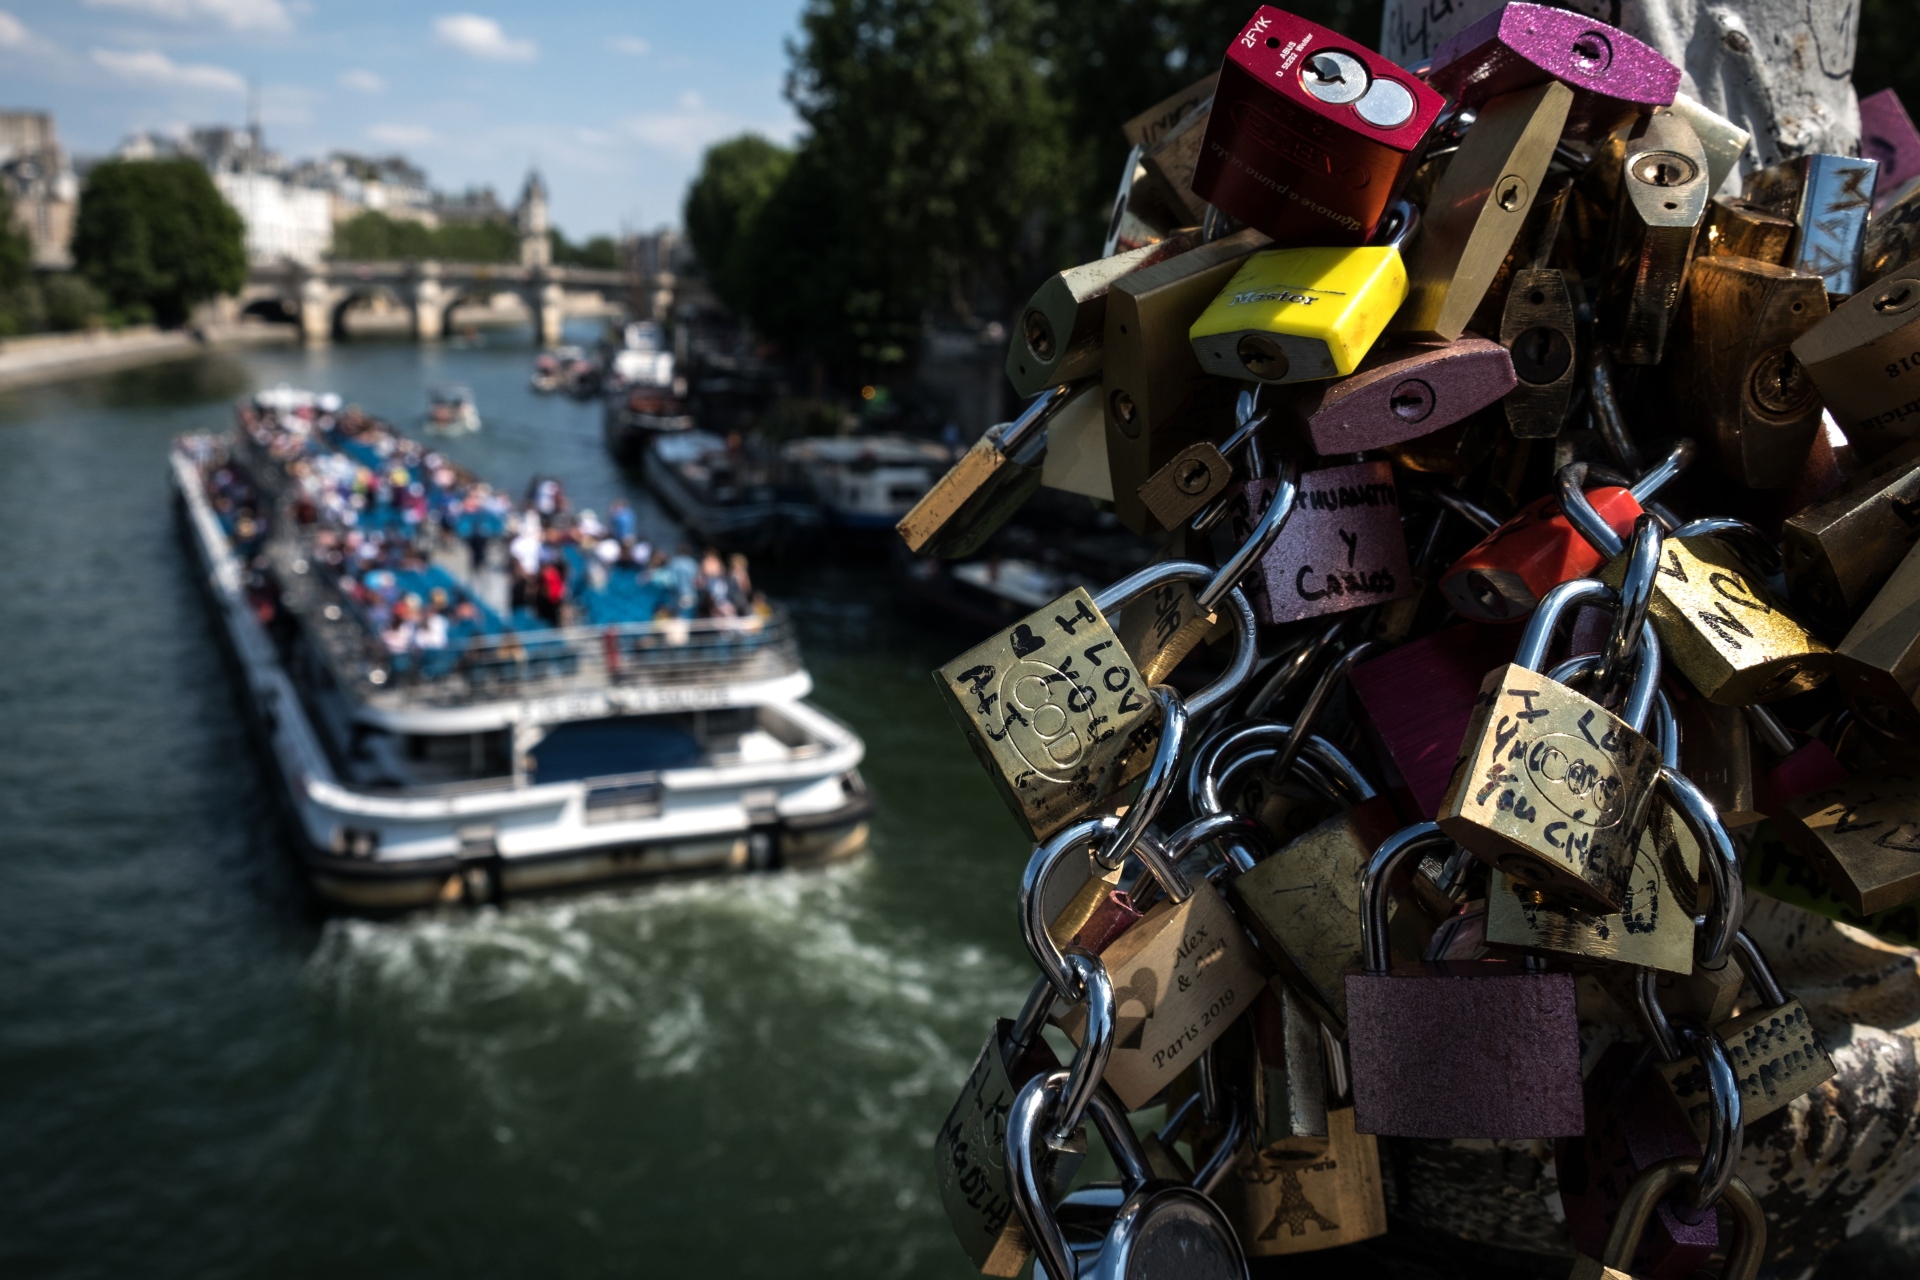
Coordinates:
(481, 38)
(692, 126)
(13, 32)
(630, 44)
(235, 15)
(362, 82)
(150, 66)
(401, 135)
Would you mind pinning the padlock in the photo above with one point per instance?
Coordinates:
(1888, 138)
(1861, 358)
(1182, 975)
(1892, 243)
(1503, 577)
(1126, 230)
(1159, 119)
(1663, 197)
(1190, 480)
(1632, 1122)
(1311, 133)
(1877, 664)
(1343, 547)
(1298, 315)
(1289, 1068)
(1156, 393)
(1419, 697)
(1158, 1231)
(1613, 77)
(1862, 835)
(1723, 140)
(989, 483)
(1648, 1190)
(1774, 1050)
(1169, 161)
(1837, 553)
(1828, 197)
(1717, 753)
(1733, 366)
(1076, 460)
(1550, 788)
(1537, 328)
(1742, 229)
(1478, 207)
(1061, 330)
(969, 1151)
(1802, 768)
(1750, 652)
(1456, 1049)
(1301, 904)
(1300, 1194)
(1399, 393)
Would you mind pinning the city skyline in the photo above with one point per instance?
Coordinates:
(614, 105)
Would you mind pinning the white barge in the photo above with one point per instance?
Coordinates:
(516, 759)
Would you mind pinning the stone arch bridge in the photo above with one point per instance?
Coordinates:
(317, 296)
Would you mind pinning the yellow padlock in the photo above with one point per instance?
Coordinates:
(1297, 315)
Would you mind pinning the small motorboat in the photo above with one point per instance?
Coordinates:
(866, 483)
(450, 411)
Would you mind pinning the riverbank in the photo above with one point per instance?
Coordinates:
(52, 357)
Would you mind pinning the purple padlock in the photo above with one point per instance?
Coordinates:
(1397, 395)
(1456, 1048)
(1887, 135)
(1342, 548)
(1613, 76)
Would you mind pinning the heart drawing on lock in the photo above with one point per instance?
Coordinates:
(1024, 641)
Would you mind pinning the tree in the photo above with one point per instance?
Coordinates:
(157, 238)
(599, 252)
(372, 236)
(737, 178)
(16, 251)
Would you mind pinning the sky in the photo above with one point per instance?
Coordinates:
(614, 102)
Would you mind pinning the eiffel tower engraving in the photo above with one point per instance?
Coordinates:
(1295, 1210)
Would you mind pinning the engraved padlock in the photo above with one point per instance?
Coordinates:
(1169, 162)
(1828, 197)
(1299, 315)
(1863, 359)
(1061, 329)
(1739, 228)
(1343, 547)
(1157, 396)
(1311, 132)
(1613, 77)
(988, 484)
(1550, 788)
(1456, 1049)
(1648, 1190)
(1663, 197)
(1158, 1231)
(1837, 553)
(1722, 627)
(1478, 208)
(1399, 393)
(1862, 835)
(1732, 365)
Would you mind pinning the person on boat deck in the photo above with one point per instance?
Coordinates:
(625, 527)
(684, 572)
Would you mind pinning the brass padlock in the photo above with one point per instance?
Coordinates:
(1300, 1194)
(1536, 325)
(1863, 836)
(1190, 480)
(1742, 229)
(1723, 140)
(1892, 242)
(1076, 460)
(1733, 366)
(1837, 553)
(1722, 627)
(1478, 207)
(1059, 336)
(988, 484)
(1169, 161)
(1151, 378)
(1550, 788)
(1828, 197)
(1878, 663)
(1663, 197)
(1636, 1210)
(1863, 359)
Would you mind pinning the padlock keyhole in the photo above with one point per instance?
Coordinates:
(1193, 477)
(1039, 333)
(1897, 298)
(1541, 355)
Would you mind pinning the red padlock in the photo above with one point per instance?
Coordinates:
(1311, 133)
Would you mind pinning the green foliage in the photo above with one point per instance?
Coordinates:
(737, 178)
(156, 238)
(599, 252)
(374, 237)
(16, 251)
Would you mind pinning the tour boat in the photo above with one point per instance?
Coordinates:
(731, 491)
(464, 749)
(866, 483)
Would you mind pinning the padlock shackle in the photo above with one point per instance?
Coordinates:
(1722, 864)
(1219, 761)
(1038, 1099)
(1758, 971)
(1399, 224)
(1605, 408)
(1249, 552)
(1726, 1128)
(1772, 734)
(1472, 512)
(1121, 199)
(1089, 1065)
(1316, 702)
(1222, 830)
(1161, 865)
(1655, 1183)
(1023, 430)
(1162, 777)
(1085, 835)
(1212, 1171)
(1571, 484)
(1765, 554)
(1292, 664)
(1246, 630)
(1646, 995)
(1408, 842)
(1538, 637)
(1636, 600)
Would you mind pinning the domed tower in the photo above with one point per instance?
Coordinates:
(531, 217)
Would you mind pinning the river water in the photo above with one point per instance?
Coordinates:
(201, 1075)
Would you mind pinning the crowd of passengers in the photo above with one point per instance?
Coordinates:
(374, 504)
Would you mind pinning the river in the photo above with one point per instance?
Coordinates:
(202, 1075)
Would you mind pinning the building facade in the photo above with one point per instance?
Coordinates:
(39, 182)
